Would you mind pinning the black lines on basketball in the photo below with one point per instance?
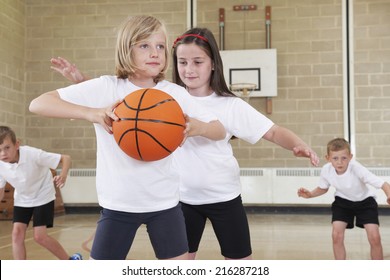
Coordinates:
(151, 124)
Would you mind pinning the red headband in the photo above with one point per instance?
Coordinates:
(188, 35)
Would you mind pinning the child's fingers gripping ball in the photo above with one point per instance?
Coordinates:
(151, 124)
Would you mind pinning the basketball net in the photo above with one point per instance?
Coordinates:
(243, 90)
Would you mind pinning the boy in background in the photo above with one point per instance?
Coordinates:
(27, 169)
(353, 197)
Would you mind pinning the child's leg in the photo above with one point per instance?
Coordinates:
(374, 239)
(43, 218)
(43, 239)
(114, 235)
(167, 233)
(18, 236)
(184, 256)
(195, 225)
(231, 227)
(367, 217)
(338, 230)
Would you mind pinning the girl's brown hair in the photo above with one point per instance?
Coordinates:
(203, 38)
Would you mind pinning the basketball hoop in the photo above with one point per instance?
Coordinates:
(243, 90)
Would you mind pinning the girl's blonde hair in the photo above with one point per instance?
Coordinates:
(134, 30)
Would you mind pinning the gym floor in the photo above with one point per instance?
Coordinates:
(274, 237)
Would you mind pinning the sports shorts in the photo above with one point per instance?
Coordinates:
(116, 231)
(42, 215)
(229, 222)
(365, 211)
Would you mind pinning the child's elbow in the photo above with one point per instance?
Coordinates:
(43, 103)
(32, 106)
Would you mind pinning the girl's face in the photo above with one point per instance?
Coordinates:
(9, 152)
(339, 160)
(194, 68)
(149, 57)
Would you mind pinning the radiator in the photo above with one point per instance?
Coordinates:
(80, 188)
(279, 186)
(260, 186)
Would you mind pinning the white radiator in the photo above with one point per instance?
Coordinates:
(80, 188)
(260, 186)
(279, 186)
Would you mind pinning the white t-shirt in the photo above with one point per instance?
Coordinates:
(31, 176)
(353, 183)
(209, 171)
(123, 183)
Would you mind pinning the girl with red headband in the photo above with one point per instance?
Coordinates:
(210, 173)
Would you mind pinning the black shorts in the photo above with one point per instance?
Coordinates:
(42, 215)
(229, 222)
(365, 211)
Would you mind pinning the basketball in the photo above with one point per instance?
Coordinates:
(150, 126)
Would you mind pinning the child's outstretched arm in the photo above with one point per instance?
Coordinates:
(302, 192)
(59, 180)
(287, 139)
(50, 104)
(68, 70)
(213, 130)
(386, 189)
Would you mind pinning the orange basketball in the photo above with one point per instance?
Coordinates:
(151, 124)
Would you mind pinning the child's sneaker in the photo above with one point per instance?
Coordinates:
(76, 257)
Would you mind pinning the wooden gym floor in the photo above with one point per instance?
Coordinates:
(274, 237)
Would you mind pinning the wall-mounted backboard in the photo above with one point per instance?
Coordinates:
(253, 67)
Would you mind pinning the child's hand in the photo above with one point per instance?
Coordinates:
(68, 70)
(187, 128)
(104, 116)
(388, 200)
(304, 151)
(302, 192)
(193, 127)
(59, 181)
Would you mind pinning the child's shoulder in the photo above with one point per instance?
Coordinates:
(326, 168)
(169, 86)
(111, 79)
(31, 150)
(174, 90)
(28, 149)
(354, 164)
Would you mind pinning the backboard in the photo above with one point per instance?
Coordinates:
(252, 67)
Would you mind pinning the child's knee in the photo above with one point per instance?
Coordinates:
(374, 238)
(17, 234)
(337, 236)
(40, 238)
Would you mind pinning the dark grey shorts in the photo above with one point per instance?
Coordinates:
(116, 231)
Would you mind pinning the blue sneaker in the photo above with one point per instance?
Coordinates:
(76, 257)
